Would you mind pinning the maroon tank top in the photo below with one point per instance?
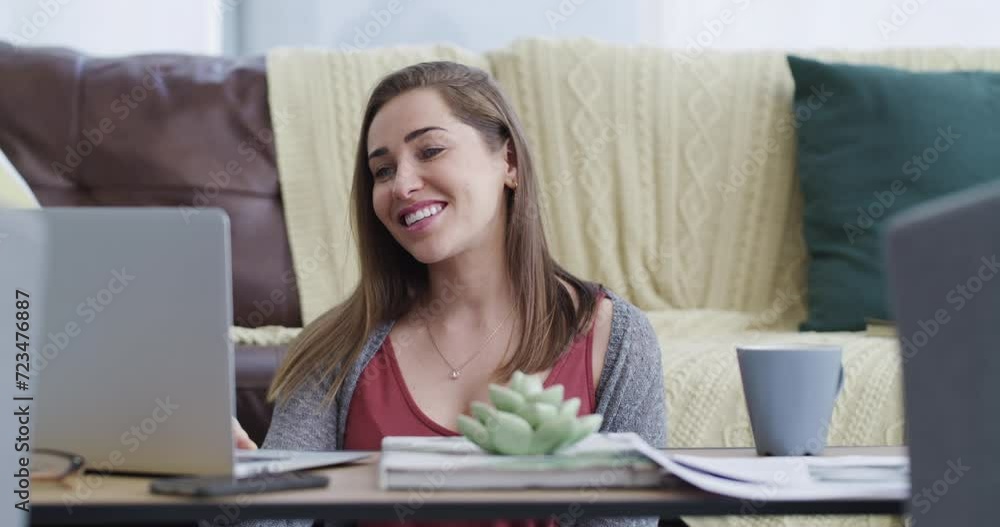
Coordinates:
(382, 406)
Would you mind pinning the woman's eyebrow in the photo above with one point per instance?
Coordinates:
(381, 151)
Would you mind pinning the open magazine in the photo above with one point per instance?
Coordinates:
(792, 478)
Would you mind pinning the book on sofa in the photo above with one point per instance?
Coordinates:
(455, 463)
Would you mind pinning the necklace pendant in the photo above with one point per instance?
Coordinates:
(454, 374)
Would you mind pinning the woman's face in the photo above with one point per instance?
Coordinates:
(437, 186)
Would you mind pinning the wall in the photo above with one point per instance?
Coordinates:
(475, 25)
(109, 27)
(857, 24)
(113, 27)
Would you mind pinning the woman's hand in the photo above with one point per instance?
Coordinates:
(242, 438)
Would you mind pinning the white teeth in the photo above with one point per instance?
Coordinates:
(425, 212)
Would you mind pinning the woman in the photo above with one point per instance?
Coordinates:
(457, 286)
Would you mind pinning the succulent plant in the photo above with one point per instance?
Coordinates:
(526, 419)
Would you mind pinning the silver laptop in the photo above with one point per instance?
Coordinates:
(943, 262)
(132, 364)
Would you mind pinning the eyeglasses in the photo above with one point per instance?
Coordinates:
(55, 465)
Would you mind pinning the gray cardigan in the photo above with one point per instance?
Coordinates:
(630, 396)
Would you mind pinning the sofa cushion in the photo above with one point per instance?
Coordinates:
(872, 142)
(164, 130)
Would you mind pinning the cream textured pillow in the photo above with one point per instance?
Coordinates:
(14, 192)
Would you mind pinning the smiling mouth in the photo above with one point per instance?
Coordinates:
(414, 218)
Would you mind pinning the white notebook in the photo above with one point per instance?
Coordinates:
(607, 460)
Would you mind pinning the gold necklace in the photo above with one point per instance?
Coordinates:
(456, 372)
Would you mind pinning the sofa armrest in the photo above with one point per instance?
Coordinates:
(255, 368)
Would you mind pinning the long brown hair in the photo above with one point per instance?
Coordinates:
(392, 280)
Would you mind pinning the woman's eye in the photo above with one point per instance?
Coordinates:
(383, 172)
(428, 153)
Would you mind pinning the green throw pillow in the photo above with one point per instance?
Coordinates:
(873, 141)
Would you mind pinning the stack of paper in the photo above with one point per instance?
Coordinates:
(792, 478)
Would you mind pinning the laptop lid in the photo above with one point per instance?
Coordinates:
(944, 278)
(132, 365)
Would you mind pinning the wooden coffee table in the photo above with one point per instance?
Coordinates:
(352, 494)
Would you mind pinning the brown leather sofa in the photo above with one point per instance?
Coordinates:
(163, 130)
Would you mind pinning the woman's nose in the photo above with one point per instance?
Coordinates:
(406, 182)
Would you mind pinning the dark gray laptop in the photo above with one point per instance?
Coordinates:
(943, 262)
(132, 360)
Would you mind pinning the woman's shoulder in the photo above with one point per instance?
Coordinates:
(619, 326)
(620, 311)
(627, 326)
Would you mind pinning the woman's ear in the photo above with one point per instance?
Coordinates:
(511, 164)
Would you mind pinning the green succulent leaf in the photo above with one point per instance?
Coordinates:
(551, 433)
(532, 385)
(570, 407)
(591, 423)
(546, 412)
(517, 381)
(537, 413)
(553, 395)
(475, 432)
(582, 427)
(512, 435)
(530, 414)
(506, 399)
(483, 412)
